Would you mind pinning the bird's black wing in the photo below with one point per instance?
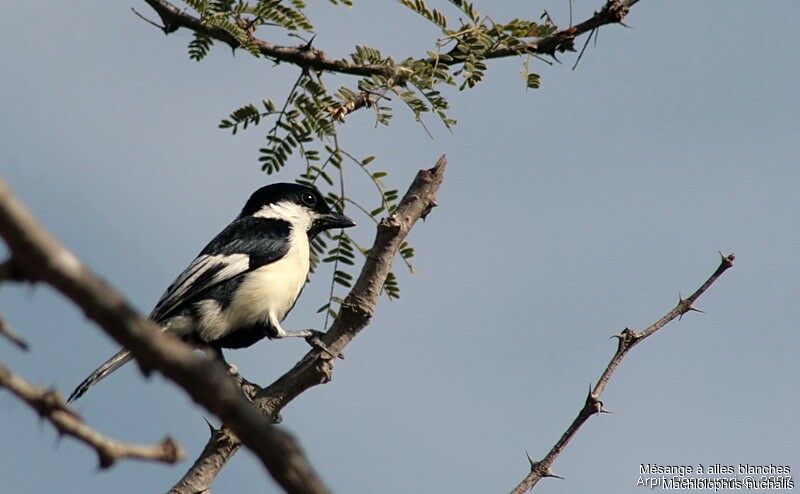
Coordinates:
(242, 246)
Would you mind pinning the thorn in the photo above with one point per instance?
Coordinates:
(592, 402)
(680, 302)
(530, 460)
(210, 427)
(307, 46)
(550, 473)
(687, 308)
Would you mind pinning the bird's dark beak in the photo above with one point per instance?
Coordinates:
(335, 220)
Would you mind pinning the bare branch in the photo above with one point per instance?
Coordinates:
(39, 256)
(52, 407)
(627, 340)
(355, 314)
(11, 335)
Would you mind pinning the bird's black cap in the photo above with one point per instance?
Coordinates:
(298, 194)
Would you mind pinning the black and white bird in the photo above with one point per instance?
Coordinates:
(244, 282)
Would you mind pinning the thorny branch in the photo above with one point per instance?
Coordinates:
(355, 314)
(628, 338)
(52, 407)
(308, 57)
(36, 255)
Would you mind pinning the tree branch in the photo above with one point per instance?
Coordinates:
(303, 56)
(173, 18)
(627, 340)
(54, 409)
(40, 257)
(354, 315)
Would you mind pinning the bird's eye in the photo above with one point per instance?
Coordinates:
(309, 199)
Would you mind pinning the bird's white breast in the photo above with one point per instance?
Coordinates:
(270, 291)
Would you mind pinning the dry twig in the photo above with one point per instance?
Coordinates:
(627, 340)
(52, 407)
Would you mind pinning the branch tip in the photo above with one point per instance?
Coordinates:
(11, 335)
(727, 260)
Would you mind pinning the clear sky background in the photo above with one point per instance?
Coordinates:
(567, 213)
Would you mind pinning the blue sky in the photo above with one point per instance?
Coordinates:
(567, 213)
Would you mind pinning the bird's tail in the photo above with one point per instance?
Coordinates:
(107, 368)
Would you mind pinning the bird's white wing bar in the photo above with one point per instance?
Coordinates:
(204, 272)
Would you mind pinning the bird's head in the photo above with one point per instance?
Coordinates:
(300, 205)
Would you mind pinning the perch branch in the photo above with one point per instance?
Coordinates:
(354, 315)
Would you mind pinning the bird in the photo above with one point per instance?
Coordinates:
(242, 285)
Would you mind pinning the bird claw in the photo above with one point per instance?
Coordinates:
(315, 341)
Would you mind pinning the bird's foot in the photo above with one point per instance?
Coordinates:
(315, 341)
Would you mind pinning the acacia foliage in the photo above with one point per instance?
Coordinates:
(302, 126)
